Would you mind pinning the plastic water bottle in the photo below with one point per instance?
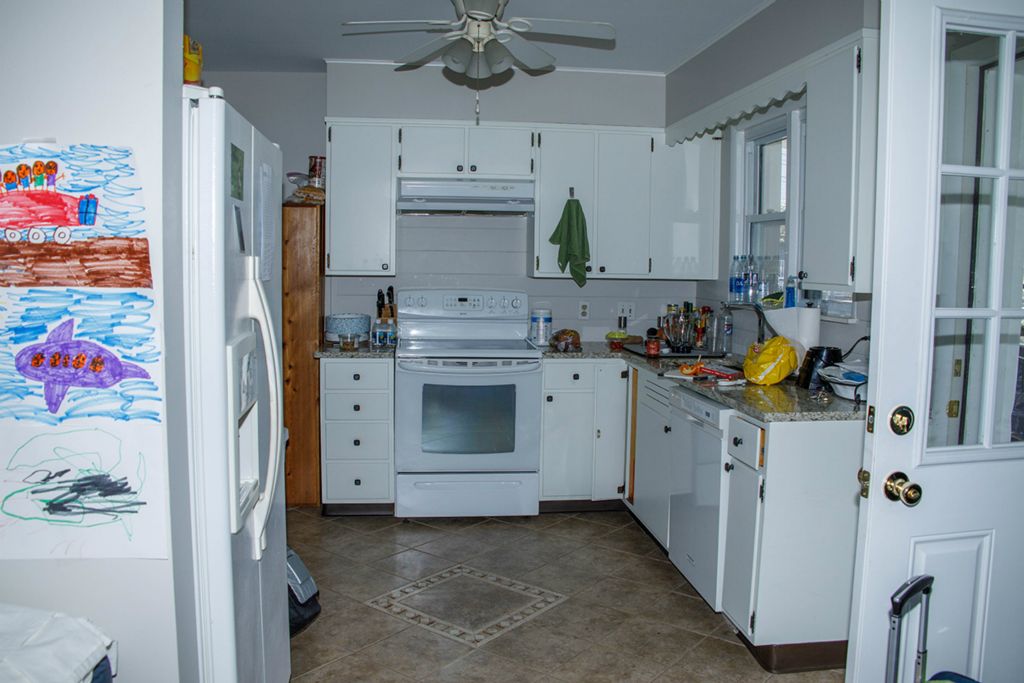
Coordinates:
(745, 266)
(754, 281)
(736, 279)
(791, 291)
(727, 331)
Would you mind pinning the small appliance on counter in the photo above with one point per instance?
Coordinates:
(337, 325)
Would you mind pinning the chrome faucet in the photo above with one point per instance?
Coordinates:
(762, 322)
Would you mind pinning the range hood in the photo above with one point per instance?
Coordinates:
(430, 195)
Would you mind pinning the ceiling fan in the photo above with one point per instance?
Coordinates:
(481, 42)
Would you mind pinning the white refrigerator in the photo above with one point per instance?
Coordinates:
(232, 222)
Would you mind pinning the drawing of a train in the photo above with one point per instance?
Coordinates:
(35, 211)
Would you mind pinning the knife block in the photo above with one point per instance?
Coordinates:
(388, 314)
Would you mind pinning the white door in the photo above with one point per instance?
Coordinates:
(567, 162)
(433, 149)
(623, 244)
(949, 266)
(499, 152)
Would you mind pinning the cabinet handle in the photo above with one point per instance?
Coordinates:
(589, 269)
(601, 269)
(802, 275)
(383, 266)
(575, 375)
(355, 376)
(551, 398)
(667, 429)
(355, 442)
(358, 482)
(472, 168)
(459, 168)
(729, 466)
(737, 441)
(356, 408)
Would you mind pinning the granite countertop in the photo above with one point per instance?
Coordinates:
(783, 402)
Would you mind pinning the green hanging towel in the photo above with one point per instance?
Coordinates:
(571, 237)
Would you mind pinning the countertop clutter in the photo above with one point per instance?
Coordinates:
(783, 402)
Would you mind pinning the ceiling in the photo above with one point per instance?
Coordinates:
(653, 36)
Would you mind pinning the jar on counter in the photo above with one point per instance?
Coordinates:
(652, 347)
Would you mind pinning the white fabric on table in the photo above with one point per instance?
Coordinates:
(38, 645)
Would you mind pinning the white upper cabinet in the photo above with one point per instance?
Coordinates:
(685, 209)
(567, 161)
(361, 200)
(623, 205)
(839, 185)
(484, 151)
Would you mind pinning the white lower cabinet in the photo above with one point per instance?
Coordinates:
(791, 529)
(357, 430)
(583, 429)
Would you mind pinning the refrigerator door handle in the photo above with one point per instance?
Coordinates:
(262, 315)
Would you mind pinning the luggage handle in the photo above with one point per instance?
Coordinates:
(901, 599)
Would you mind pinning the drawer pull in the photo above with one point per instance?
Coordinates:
(729, 467)
(355, 442)
(358, 482)
(737, 441)
(575, 375)
(356, 407)
(550, 398)
(667, 429)
(355, 377)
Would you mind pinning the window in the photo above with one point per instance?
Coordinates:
(766, 227)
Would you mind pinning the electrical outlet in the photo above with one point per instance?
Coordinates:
(584, 312)
(625, 308)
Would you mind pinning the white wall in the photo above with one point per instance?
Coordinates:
(104, 79)
(490, 253)
(289, 108)
(379, 90)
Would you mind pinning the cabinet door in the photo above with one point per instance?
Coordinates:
(686, 181)
(434, 150)
(567, 451)
(623, 205)
(742, 538)
(610, 430)
(567, 160)
(651, 476)
(500, 152)
(838, 193)
(361, 210)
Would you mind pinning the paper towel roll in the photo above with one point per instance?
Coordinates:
(802, 326)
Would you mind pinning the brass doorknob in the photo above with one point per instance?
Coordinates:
(898, 487)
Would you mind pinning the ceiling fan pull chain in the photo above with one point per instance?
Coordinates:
(478, 107)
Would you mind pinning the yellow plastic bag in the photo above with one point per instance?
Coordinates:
(769, 363)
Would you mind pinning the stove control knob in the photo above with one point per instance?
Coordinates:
(504, 302)
(422, 301)
(491, 302)
(409, 301)
(516, 303)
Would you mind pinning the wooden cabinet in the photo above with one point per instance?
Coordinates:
(357, 430)
(685, 207)
(482, 151)
(360, 199)
(791, 530)
(302, 249)
(583, 429)
(839, 177)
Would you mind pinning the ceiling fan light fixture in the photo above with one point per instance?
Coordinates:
(478, 67)
(457, 56)
(498, 58)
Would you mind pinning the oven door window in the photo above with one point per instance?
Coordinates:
(469, 419)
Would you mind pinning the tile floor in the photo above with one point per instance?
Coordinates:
(559, 597)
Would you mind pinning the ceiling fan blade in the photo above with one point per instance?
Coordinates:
(525, 52)
(424, 52)
(563, 27)
(392, 25)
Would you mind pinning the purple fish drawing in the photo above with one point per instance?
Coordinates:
(61, 362)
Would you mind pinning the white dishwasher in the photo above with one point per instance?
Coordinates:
(698, 498)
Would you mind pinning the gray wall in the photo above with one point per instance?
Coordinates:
(784, 32)
(375, 90)
(289, 108)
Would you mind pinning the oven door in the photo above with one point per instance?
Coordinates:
(467, 415)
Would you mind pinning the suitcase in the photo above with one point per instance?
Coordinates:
(901, 601)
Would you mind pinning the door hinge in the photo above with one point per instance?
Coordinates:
(953, 409)
(864, 477)
(532, 136)
(858, 60)
(760, 493)
(329, 134)
(538, 263)
(538, 139)
(328, 260)
(531, 165)
(652, 145)
(621, 489)
(624, 374)
(753, 618)
(853, 266)
(649, 262)
(399, 162)
(399, 136)
(870, 422)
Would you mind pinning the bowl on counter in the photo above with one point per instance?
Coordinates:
(847, 380)
(338, 325)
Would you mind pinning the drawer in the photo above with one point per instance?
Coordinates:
(746, 442)
(568, 376)
(357, 440)
(357, 374)
(355, 481)
(354, 405)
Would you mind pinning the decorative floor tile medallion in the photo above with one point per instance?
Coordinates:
(466, 604)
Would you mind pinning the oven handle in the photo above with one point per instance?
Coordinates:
(420, 367)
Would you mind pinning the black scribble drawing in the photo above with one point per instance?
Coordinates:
(93, 494)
